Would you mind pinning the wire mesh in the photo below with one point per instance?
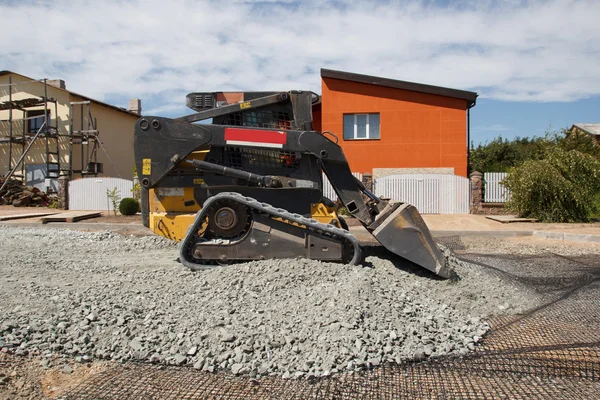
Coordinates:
(261, 119)
(552, 351)
(243, 158)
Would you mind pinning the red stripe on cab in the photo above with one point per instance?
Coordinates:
(255, 135)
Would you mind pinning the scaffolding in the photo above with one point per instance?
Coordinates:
(20, 131)
(87, 137)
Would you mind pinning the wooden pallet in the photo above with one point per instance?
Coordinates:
(72, 216)
(22, 216)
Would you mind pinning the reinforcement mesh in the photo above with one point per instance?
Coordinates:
(551, 352)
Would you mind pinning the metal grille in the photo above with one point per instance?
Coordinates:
(261, 119)
(551, 352)
(243, 158)
(204, 100)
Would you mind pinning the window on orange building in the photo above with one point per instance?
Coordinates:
(361, 126)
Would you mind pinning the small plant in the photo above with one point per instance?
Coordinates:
(137, 188)
(344, 211)
(53, 203)
(115, 197)
(129, 206)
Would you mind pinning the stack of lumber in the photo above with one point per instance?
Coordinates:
(20, 195)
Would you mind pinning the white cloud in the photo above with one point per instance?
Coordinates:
(158, 51)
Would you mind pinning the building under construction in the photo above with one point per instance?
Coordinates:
(47, 131)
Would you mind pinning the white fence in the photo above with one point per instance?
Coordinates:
(90, 193)
(429, 193)
(328, 189)
(494, 191)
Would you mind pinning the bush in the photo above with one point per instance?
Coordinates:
(129, 206)
(560, 188)
(596, 215)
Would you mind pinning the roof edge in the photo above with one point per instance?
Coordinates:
(587, 128)
(117, 108)
(470, 97)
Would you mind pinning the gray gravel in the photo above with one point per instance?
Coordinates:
(105, 296)
(527, 245)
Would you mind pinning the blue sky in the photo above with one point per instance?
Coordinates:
(533, 63)
(509, 119)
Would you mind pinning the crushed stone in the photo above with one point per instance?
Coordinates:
(99, 295)
(527, 245)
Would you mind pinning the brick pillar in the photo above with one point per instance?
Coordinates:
(367, 180)
(476, 191)
(63, 193)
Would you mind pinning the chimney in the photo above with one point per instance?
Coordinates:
(135, 106)
(59, 83)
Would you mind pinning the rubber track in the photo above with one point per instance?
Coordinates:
(256, 206)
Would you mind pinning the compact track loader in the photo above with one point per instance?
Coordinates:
(249, 186)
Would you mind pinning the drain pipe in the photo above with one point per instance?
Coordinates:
(469, 137)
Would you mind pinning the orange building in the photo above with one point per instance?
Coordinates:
(387, 125)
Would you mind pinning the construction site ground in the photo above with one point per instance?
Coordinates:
(465, 223)
(550, 350)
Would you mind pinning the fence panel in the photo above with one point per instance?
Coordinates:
(429, 193)
(328, 189)
(494, 191)
(90, 193)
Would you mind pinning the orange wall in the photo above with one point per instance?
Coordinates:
(417, 130)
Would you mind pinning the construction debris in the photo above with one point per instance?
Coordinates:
(19, 195)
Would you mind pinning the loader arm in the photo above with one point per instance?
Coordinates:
(277, 170)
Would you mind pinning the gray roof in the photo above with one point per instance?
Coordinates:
(470, 97)
(592, 129)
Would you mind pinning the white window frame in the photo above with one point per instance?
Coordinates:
(368, 137)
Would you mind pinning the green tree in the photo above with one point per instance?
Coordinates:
(577, 140)
(501, 154)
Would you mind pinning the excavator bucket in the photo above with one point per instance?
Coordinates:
(403, 232)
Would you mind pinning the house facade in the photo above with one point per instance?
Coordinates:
(79, 136)
(387, 126)
(589, 129)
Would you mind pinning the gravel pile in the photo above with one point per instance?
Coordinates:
(105, 296)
